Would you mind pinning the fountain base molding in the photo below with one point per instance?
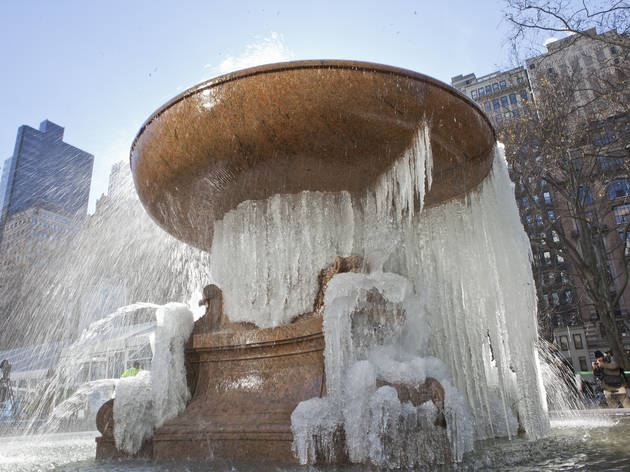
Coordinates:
(245, 386)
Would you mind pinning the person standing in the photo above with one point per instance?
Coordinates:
(612, 381)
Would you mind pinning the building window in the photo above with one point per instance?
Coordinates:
(488, 89)
(606, 162)
(618, 189)
(547, 258)
(582, 360)
(495, 103)
(524, 95)
(519, 79)
(539, 220)
(513, 98)
(495, 87)
(503, 85)
(622, 213)
(560, 259)
(474, 94)
(568, 298)
(487, 106)
(585, 199)
(498, 117)
(555, 298)
(481, 92)
(577, 342)
(504, 101)
(626, 250)
(550, 215)
(547, 197)
(564, 343)
(532, 66)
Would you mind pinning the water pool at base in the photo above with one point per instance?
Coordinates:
(582, 444)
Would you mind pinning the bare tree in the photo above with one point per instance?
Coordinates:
(533, 21)
(574, 174)
(574, 148)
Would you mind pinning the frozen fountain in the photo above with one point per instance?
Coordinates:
(372, 299)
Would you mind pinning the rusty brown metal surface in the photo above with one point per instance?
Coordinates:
(288, 127)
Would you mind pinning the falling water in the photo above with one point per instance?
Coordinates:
(81, 306)
(563, 396)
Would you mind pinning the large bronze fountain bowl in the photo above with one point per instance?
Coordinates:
(319, 125)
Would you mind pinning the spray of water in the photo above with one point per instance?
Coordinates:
(83, 300)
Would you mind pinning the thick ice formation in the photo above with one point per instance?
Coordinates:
(460, 272)
(169, 389)
(147, 400)
(134, 421)
(375, 329)
(266, 255)
(282, 243)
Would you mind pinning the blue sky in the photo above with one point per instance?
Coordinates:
(100, 68)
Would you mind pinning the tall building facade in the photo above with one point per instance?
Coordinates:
(586, 61)
(44, 191)
(502, 95)
(45, 171)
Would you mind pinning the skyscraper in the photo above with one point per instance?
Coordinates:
(44, 193)
(45, 172)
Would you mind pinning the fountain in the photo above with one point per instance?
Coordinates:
(372, 298)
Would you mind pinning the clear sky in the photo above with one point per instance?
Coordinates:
(100, 68)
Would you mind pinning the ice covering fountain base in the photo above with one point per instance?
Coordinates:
(245, 384)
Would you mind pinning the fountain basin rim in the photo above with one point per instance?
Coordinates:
(309, 64)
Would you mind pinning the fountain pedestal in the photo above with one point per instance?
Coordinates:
(245, 385)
